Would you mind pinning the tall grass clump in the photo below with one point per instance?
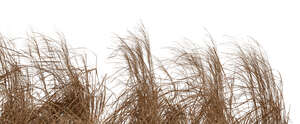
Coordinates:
(16, 94)
(260, 86)
(244, 90)
(141, 101)
(51, 83)
(46, 84)
(205, 90)
(199, 88)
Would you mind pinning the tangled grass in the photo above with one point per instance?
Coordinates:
(51, 83)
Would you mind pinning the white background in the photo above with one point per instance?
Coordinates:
(91, 24)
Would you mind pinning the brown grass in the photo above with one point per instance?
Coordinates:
(51, 83)
(45, 85)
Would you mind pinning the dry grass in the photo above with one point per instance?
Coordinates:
(51, 83)
(45, 85)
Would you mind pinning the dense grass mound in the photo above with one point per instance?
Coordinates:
(51, 83)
